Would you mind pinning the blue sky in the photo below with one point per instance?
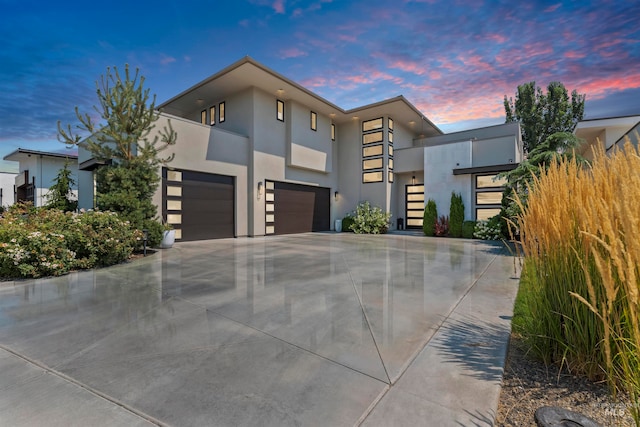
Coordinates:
(454, 59)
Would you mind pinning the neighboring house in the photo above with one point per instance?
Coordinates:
(258, 154)
(7, 181)
(607, 132)
(37, 173)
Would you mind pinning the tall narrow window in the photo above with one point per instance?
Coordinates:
(203, 117)
(372, 151)
(280, 110)
(314, 121)
(212, 115)
(221, 112)
(333, 132)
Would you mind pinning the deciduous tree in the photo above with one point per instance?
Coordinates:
(543, 114)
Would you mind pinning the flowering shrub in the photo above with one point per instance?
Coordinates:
(442, 226)
(48, 242)
(488, 229)
(369, 219)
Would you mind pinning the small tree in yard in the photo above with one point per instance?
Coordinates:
(128, 117)
(60, 195)
(547, 121)
(456, 215)
(429, 219)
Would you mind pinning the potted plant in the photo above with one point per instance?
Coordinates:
(168, 236)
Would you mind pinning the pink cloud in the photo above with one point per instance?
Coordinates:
(166, 60)
(278, 6)
(408, 66)
(552, 8)
(572, 54)
(599, 88)
(497, 38)
(293, 52)
(476, 62)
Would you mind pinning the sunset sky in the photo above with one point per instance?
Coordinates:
(455, 59)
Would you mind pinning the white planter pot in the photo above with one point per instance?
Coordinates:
(168, 239)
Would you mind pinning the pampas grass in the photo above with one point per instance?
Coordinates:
(581, 280)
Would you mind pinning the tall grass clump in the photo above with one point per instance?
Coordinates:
(581, 279)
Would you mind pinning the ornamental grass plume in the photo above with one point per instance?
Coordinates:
(581, 279)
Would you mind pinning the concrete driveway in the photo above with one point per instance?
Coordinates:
(317, 329)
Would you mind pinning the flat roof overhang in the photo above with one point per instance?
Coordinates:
(92, 164)
(247, 73)
(486, 169)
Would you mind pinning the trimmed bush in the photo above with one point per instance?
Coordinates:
(429, 219)
(347, 224)
(369, 219)
(456, 215)
(49, 242)
(468, 227)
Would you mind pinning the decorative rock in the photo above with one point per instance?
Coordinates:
(553, 416)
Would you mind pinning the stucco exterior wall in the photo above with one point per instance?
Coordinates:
(439, 181)
(349, 169)
(208, 149)
(7, 181)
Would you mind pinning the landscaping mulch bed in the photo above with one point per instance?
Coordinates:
(528, 385)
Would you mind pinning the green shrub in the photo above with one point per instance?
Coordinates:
(430, 217)
(489, 229)
(468, 227)
(347, 223)
(49, 242)
(369, 219)
(456, 215)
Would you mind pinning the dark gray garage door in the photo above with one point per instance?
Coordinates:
(202, 203)
(300, 208)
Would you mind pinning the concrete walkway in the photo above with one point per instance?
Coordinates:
(317, 329)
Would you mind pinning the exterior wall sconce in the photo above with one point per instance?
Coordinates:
(335, 195)
(413, 180)
(260, 189)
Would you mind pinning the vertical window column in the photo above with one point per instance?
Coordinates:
(172, 192)
(414, 205)
(372, 151)
(390, 149)
(269, 208)
(488, 191)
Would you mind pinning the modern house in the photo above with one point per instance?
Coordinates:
(37, 173)
(608, 133)
(7, 182)
(258, 154)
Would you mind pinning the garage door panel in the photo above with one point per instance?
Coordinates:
(301, 208)
(208, 207)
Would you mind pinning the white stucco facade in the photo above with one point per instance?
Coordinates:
(273, 163)
(37, 173)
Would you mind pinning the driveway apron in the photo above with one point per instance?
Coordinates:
(319, 329)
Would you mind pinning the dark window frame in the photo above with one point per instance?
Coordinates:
(212, 115)
(477, 207)
(222, 112)
(279, 103)
(333, 132)
(364, 147)
(381, 172)
(313, 121)
(374, 129)
(203, 117)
